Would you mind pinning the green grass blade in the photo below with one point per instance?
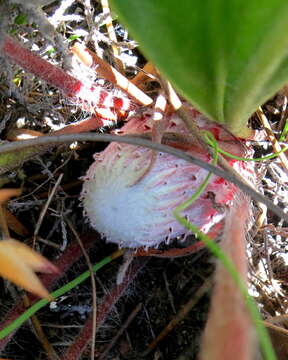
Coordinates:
(55, 294)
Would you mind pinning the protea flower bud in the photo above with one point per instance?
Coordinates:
(130, 200)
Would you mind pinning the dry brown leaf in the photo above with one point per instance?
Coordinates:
(9, 219)
(22, 134)
(14, 224)
(6, 194)
(277, 327)
(18, 263)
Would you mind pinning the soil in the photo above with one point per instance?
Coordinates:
(162, 286)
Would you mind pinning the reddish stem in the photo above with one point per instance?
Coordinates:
(82, 340)
(172, 253)
(229, 333)
(68, 258)
(90, 97)
(89, 124)
(41, 68)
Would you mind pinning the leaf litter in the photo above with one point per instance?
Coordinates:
(163, 285)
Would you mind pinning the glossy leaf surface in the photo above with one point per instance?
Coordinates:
(226, 57)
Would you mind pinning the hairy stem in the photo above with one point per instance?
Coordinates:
(83, 339)
(65, 261)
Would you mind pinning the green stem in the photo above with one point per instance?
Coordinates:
(61, 291)
(264, 339)
(284, 132)
(212, 141)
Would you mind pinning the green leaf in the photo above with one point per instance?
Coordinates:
(284, 132)
(73, 37)
(50, 51)
(12, 160)
(21, 19)
(226, 57)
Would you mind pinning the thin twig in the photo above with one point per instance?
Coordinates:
(81, 341)
(93, 284)
(112, 35)
(138, 141)
(45, 208)
(121, 331)
(185, 115)
(49, 243)
(184, 310)
(63, 263)
(170, 296)
(148, 71)
(90, 59)
(277, 148)
(158, 129)
(51, 354)
(89, 15)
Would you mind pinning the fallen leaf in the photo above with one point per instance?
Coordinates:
(277, 328)
(6, 194)
(14, 224)
(18, 264)
(22, 134)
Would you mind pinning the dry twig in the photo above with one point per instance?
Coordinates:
(271, 137)
(79, 344)
(45, 208)
(112, 35)
(184, 310)
(51, 354)
(90, 59)
(121, 331)
(93, 285)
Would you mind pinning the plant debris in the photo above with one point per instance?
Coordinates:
(131, 315)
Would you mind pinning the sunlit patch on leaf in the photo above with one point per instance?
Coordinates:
(226, 57)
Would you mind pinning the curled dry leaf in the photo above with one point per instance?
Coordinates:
(18, 263)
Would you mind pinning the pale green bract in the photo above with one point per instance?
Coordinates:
(225, 57)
